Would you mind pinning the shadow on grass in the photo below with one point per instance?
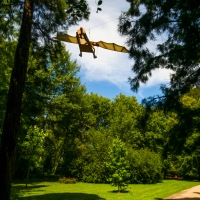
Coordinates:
(29, 187)
(37, 180)
(117, 191)
(61, 196)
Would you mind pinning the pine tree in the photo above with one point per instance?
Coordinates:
(177, 23)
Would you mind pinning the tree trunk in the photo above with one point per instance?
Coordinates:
(11, 124)
(28, 172)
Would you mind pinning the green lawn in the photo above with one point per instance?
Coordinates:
(87, 191)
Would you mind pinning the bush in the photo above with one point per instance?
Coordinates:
(95, 173)
(67, 180)
(171, 166)
(89, 165)
(190, 166)
(145, 166)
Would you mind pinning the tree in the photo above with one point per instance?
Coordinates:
(14, 100)
(181, 150)
(88, 164)
(118, 165)
(63, 106)
(157, 129)
(124, 118)
(97, 111)
(86, 158)
(189, 129)
(6, 64)
(177, 22)
(38, 21)
(52, 101)
(32, 149)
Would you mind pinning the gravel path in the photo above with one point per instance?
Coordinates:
(189, 194)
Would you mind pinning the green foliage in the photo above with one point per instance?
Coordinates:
(81, 150)
(56, 90)
(186, 166)
(96, 111)
(36, 22)
(170, 166)
(124, 117)
(98, 5)
(178, 24)
(79, 127)
(6, 63)
(33, 141)
(145, 166)
(77, 10)
(92, 153)
(118, 165)
(189, 160)
(87, 151)
(157, 128)
(32, 149)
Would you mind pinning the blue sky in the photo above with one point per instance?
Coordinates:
(108, 74)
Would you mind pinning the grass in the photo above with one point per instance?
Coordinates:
(87, 191)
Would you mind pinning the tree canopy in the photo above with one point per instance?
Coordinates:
(77, 129)
(177, 24)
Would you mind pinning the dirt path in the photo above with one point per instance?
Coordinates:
(189, 194)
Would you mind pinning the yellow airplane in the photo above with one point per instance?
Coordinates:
(88, 46)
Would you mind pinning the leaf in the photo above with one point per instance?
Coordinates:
(100, 2)
(98, 9)
(69, 10)
(79, 15)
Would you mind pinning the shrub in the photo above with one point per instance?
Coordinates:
(94, 173)
(145, 166)
(190, 166)
(89, 164)
(171, 166)
(67, 180)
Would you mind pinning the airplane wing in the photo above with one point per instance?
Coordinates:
(67, 38)
(102, 44)
(111, 46)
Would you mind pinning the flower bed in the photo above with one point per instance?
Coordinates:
(67, 180)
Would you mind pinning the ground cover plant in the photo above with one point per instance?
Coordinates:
(89, 191)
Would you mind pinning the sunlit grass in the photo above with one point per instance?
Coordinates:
(87, 191)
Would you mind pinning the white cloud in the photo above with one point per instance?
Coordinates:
(159, 76)
(109, 66)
